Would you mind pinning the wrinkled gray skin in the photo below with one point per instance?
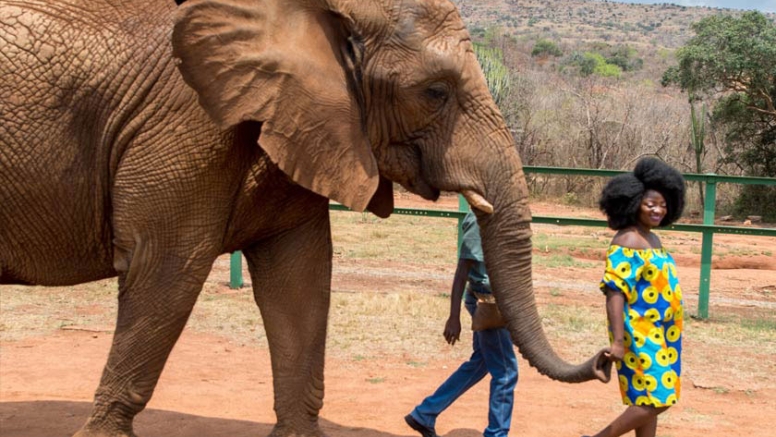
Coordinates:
(109, 166)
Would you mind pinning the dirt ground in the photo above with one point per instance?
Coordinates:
(217, 386)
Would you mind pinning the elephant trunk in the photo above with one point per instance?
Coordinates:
(506, 238)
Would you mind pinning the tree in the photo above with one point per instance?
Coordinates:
(730, 54)
(732, 60)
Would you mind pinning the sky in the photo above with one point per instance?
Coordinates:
(760, 5)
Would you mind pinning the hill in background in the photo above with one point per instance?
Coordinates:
(664, 25)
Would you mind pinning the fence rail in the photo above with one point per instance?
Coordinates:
(707, 229)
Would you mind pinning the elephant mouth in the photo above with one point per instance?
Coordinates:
(423, 189)
(409, 155)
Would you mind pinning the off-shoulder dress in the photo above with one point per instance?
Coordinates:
(650, 372)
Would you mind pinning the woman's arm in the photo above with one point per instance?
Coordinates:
(615, 304)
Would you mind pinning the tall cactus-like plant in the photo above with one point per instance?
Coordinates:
(697, 136)
(496, 73)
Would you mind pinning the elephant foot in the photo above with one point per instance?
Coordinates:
(285, 431)
(89, 432)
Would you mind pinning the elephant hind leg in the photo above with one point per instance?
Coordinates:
(157, 293)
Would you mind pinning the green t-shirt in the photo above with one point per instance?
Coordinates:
(471, 248)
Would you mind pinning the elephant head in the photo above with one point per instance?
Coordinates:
(352, 95)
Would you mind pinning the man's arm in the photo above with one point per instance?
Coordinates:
(453, 326)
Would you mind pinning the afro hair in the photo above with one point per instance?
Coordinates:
(621, 197)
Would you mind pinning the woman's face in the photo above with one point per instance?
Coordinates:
(652, 210)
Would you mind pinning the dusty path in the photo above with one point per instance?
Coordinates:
(219, 386)
(213, 387)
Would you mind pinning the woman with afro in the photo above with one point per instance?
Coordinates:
(643, 297)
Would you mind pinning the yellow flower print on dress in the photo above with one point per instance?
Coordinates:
(669, 379)
(663, 357)
(623, 269)
(644, 400)
(672, 399)
(632, 297)
(639, 339)
(652, 314)
(631, 360)
(639, 271)
(645, 361)
(673, 334)
(667, 293)
(656, 335)
(650, 272)
(679, 313)
(673, 355)
(623, 286)
(668, 315)
(650, 382)
(623, 383)
(638, 382)
(616, 283)
(627, 340)
(679, 317)
(650, 295)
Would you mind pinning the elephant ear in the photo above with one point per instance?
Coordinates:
(287, 64)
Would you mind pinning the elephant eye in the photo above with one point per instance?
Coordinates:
(437, 92)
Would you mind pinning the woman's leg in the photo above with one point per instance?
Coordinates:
(649, 429)
(643, 419)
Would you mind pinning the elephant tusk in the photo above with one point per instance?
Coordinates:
(477, 201)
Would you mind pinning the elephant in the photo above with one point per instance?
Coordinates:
(143, 139)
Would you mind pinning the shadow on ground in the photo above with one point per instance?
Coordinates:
(63, 419)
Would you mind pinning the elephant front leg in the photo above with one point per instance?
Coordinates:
(291, 277)
(156, 296)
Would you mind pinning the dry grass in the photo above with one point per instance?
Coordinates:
(372, 323)
(401, 238)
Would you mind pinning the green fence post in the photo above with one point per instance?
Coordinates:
(463, 206)
(235, 270)
(707, 244)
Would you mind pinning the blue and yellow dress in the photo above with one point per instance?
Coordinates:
(650, 372)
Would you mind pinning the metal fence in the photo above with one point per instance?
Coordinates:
(707, 229)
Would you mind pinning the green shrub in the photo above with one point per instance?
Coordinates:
(545, 47)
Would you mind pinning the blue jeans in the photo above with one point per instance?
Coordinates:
(493, 353)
